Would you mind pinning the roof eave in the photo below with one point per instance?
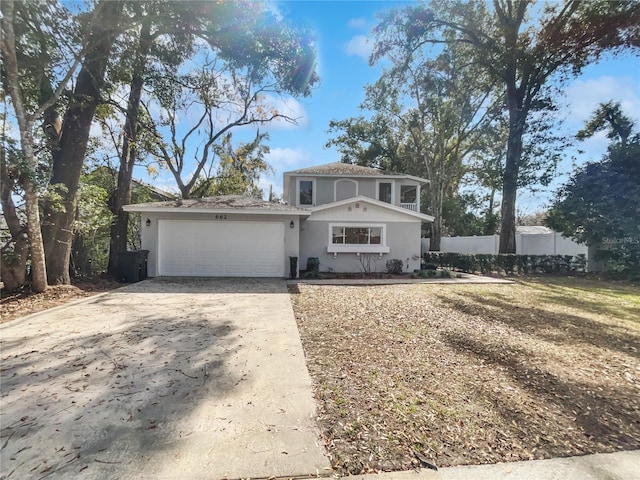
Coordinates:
(253, 211)
(360, 175)
(371, 201)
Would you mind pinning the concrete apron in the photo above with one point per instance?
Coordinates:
(168, 378)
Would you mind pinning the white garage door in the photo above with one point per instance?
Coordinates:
(220, 249)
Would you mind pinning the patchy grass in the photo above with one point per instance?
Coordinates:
(469, 374)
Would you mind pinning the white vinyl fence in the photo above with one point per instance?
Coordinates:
(526, 244)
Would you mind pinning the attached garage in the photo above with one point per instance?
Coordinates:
(203, 248)
(226, 236)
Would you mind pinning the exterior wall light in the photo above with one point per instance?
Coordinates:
(148, 222)
(291, 224)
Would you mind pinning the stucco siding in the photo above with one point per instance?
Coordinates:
(403, 238)
(325, 188)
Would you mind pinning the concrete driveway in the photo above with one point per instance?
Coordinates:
(167, 378)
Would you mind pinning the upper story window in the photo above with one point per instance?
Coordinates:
(305, 192)
(408, 194)
(384, 192)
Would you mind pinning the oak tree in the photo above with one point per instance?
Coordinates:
(522, 45)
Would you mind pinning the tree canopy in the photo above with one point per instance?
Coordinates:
(525, 48)
(600, 204)
(232, 60)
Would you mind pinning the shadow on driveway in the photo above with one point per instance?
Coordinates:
(151, 381)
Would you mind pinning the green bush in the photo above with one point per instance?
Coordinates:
(394, 266)
(313, 267)
(508, 263)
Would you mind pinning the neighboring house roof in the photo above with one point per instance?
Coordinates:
(533, 230)
(371, 201)
(155, 191)
(221, 203)
(339, 169)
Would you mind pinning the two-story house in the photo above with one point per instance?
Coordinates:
(335, 212)
(357, 211)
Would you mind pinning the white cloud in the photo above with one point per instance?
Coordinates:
(290, 107)
(359, 46)
(267, 184)
(282, 159)
(584, 96)
(274, 9)
(359, 22)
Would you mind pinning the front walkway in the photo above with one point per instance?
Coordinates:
(168, 378)
(457, 278)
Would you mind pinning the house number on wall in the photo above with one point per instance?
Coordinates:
(221, 217)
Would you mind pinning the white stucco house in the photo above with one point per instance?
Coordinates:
(336, 212)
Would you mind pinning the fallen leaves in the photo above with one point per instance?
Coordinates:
(15, 305)
(467, 374)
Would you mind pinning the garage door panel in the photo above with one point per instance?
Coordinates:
(202, 248)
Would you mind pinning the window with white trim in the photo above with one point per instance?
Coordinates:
(385, 191)
(357, 238)
(356, 235)
(305, 192)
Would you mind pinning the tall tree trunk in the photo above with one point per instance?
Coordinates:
(25, 125)
(38, 264)
(517, 120)
(69, 158)
(128, 156)
(435, 238)
(14, 267)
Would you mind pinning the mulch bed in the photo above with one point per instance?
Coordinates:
(24, 302)
(411, 375)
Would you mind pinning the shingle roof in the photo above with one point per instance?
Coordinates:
(339, 168)
(221, 202)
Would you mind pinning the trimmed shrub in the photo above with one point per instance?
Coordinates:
(313, 267)
(394, 266)
(508, 263)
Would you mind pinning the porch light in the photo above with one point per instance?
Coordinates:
(148, 222)
(291, 224)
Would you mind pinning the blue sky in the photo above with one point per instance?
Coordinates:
(343, 28)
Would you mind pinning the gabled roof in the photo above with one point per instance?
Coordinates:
(371, 201)
(339, 169)
(221, 203)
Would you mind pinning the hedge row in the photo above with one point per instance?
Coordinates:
(508, 263)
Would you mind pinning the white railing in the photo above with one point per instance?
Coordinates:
(410, 206)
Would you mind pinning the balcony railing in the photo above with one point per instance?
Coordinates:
(410, 206)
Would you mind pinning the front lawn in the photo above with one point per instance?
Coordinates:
(469, 374)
